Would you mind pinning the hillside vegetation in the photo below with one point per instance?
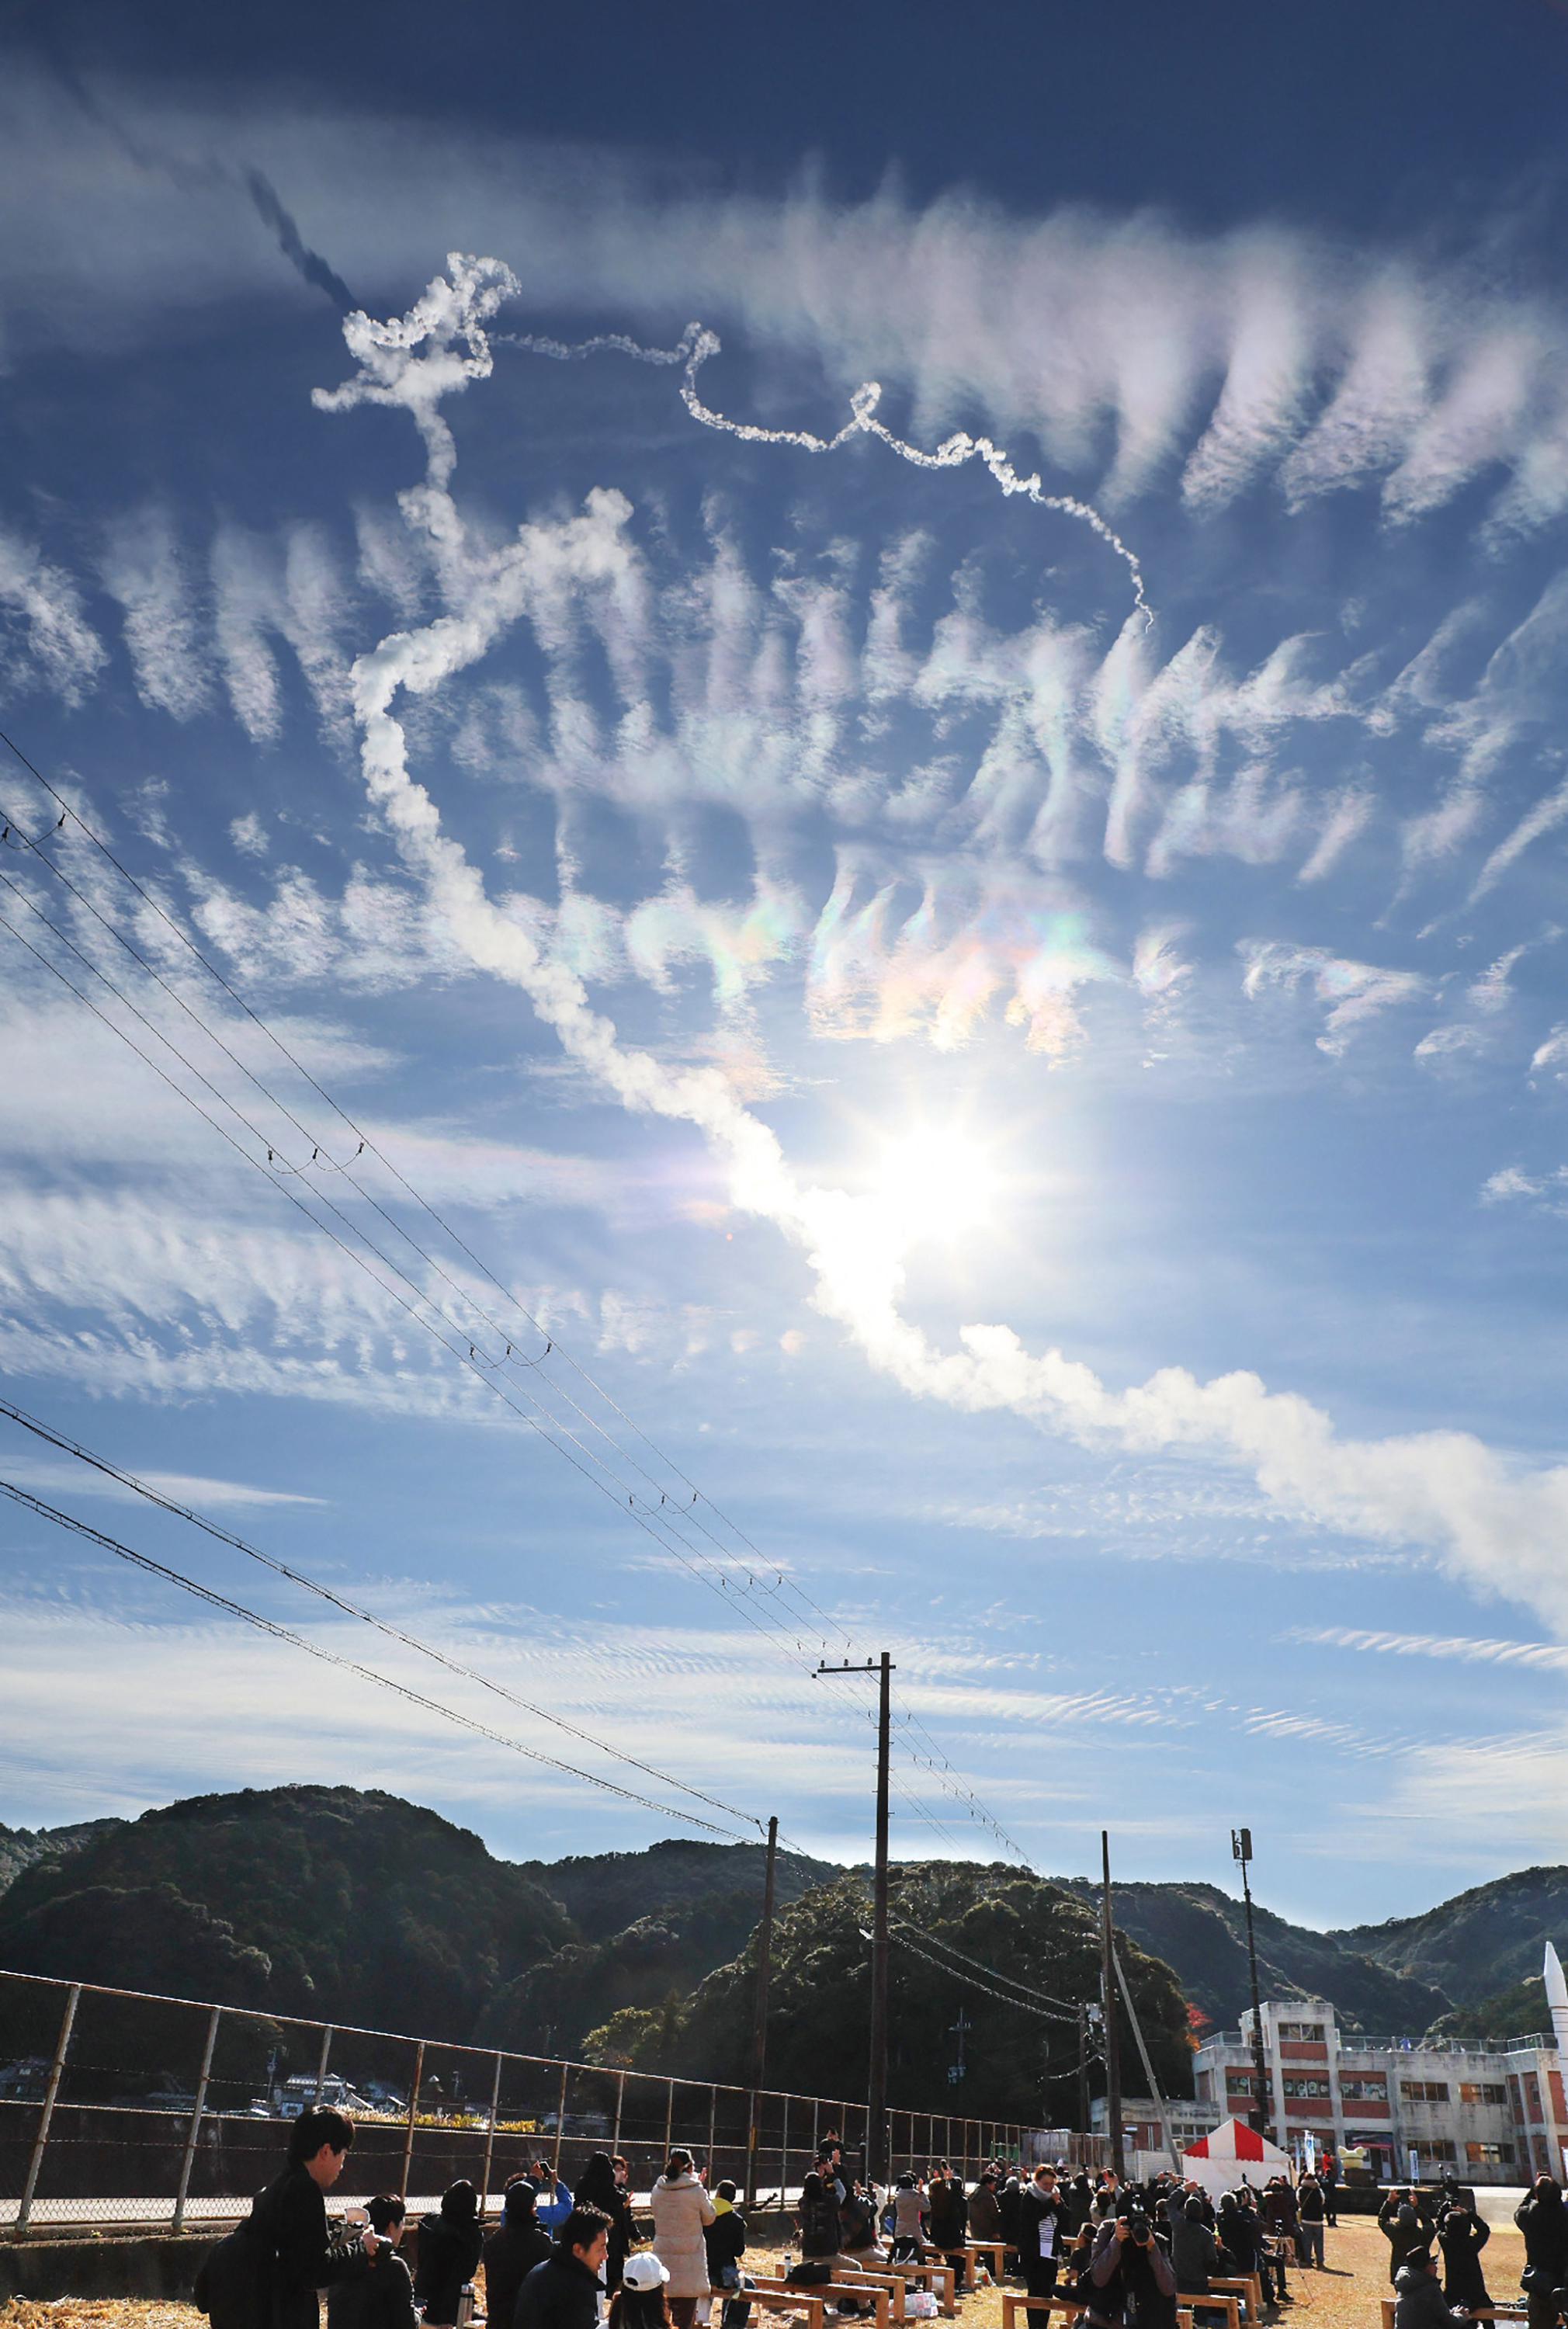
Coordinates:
(352, 1906)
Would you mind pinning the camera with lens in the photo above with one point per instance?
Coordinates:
(1138, 2226)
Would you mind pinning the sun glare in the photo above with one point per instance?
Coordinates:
(937, 1182)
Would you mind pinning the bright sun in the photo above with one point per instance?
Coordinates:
(936, 1183)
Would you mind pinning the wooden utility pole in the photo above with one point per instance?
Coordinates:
(1083, 2069)
(877, 2081)
(759, 2033)
(1108, 1989)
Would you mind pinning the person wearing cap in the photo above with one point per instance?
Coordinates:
(564, 2291)
(1419, 2301)
(510, 2255)
(640, 2302)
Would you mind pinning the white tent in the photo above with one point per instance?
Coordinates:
(1219, 2161)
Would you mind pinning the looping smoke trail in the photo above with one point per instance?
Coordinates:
(1492, 1522)
(615, 344)
(697, 343)
(951, 454)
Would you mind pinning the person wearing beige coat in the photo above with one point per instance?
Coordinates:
(680, 2209)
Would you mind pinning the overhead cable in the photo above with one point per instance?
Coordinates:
(663, 1521)
(352, 1609)
(347, 1665)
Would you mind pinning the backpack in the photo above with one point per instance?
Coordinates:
(227, 2287)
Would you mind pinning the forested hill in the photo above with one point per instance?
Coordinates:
(1201, 1931)
(358, 1906)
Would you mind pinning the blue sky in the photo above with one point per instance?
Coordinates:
(1017, 1034)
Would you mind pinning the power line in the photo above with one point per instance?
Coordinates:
(584, 1459)
(1040, 1996)
(656, 1523)
(352, 1609)
(971, 1981)
(347, 1665)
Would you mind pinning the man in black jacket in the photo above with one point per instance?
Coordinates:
(1402, 2223)
(510, 2255)
(1419, 2301)
(449, 2249)
(292, 2254)
(563, 2293)
(1543, 2219)
(377, 2292)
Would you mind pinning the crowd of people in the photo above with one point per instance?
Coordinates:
(1128, 2253)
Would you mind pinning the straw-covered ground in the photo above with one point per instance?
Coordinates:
(1344, 2296)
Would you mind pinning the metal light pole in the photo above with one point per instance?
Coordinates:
(1108, 1999)
(1241, 1845)
(876, 2082)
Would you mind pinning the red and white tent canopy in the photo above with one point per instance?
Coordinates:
(1219, 2161)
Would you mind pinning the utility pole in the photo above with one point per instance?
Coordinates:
(959, 2030)
(876, 2082)
(759, 2036)
(1084, 2068)
(1241, 1845)
(1108, 1997)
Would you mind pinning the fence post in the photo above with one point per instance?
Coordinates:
(561, 2119)
(47, 2113)
(321, 2066)
(668, 2120)
(490, 2135)
(413, 2112)
(712, 2123)
(784, 2151)
(620, 2099)
(189, 2161)
(753, 2114)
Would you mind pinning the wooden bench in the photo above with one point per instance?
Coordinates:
(994, 2252)
(1481, 2313)
(1230, 2306)
(776, 2298)
(861, 2286)
(1245, 2285)
(1014, 2301)
(938, 2278)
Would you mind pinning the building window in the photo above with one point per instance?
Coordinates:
(1423, 2090)
(1437, 2146)
(1478, 2094)
(1309, 2030)
(1296, 2087)
(1238, 2082)
(1365, 2090)
(1490, 2154)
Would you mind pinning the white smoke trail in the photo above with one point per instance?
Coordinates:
(1491, 1525)
(951, 454)
(697, 343)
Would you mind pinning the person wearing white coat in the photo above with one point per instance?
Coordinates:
(680, 2209)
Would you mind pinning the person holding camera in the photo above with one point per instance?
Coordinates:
(554, 2202)
(1132, 2273)
(376, 2292)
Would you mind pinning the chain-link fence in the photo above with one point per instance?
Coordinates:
(121, 2109)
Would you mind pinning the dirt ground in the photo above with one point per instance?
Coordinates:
(1344, 2296)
